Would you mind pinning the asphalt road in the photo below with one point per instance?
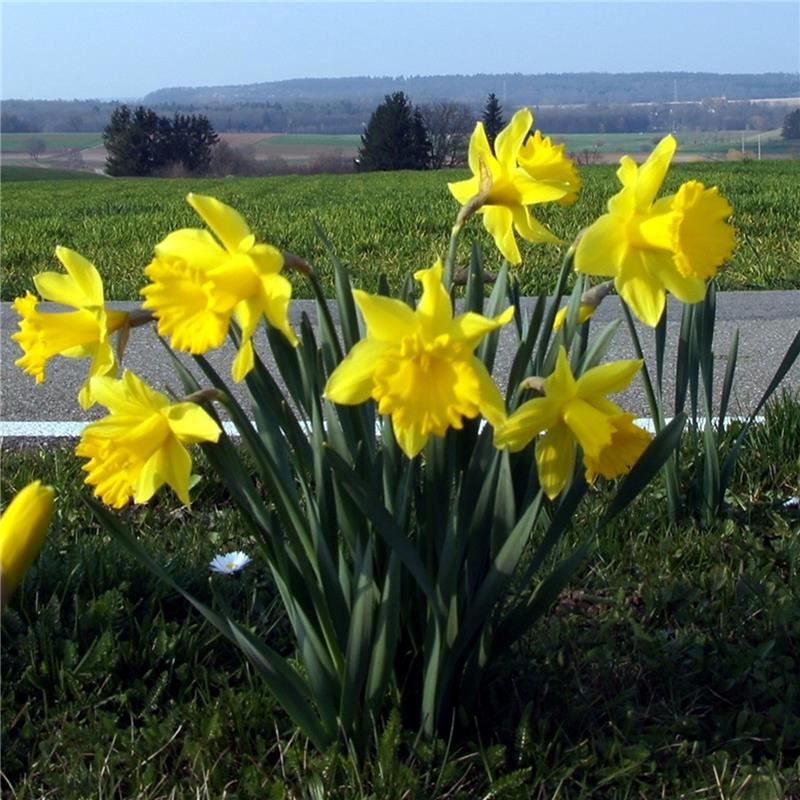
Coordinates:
(767, 321)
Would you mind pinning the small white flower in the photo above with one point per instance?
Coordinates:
(229, 563)
(792, 502)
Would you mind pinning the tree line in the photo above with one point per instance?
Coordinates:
(398, 136)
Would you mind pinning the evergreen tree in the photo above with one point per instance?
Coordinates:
(791, 125)
(134, 142)
(140, 143)
(492, 118)
(395, 137)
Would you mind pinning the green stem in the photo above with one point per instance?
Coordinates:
(670, 467)
(450, 260)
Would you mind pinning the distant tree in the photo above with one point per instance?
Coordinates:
(141, 143)
(448, 127)
(791, 125)
(190, 141)
(422, 142)
(36, 146)
(394, 138)
(134, 142)
(492, 118)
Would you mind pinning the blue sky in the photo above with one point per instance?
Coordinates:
(124, 50)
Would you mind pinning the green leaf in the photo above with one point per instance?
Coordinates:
(359, 640)
(384, 523)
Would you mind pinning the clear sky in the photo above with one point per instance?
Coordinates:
(124, 50)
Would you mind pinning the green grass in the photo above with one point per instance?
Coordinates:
(392, 223)
(18, 142)
(669, 668)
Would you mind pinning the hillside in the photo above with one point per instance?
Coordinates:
(513, 89)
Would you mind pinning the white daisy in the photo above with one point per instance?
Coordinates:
(229, 563)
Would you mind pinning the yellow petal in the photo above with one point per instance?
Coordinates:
(434, 309)
(525, 424)
(192, 246)
(244, 362)
(555, 459)
(411, 439)
(703, 239)
(499, 222)
(592, 428)
(608, 378)
(227, 224)
(530, 228)
(387, 319)
(81, 287)
(491, 403)
(628, 442)
(640, 288)
(191, 423)
(601, 247)
(652, 173)
(561, 385)
(480, 151)
(510, 139)
(23, 528)
(470, 328)
(352, 381)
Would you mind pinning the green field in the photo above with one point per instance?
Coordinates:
(18, 142)
(392, 223)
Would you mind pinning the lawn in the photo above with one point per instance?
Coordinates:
(379, 223)
(668, 668)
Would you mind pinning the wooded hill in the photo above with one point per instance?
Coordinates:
(513, 89)
(566, 103)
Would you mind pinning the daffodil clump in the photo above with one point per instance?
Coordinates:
(395, 475)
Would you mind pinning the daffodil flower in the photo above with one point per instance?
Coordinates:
(419, 365)
(546, 163)
(83, 333)
(651, 247)
(199, 283)
(513, 188)
(23, 528)
(140, 445)
(577, 411)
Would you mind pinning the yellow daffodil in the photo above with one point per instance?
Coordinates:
(140, 445)
(590, 300)
(513, 188)
(651, 246)
(23, 528)
(546, 163)
(83, 333)
(577, 411)
(198, 283)
(584, 313)
(419, 365)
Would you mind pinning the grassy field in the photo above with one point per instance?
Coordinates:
(391, 223)
(18, 142)
(12, 174)
(667, 669)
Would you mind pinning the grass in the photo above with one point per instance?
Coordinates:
(379, 223)
(18, 142)
(670, 667)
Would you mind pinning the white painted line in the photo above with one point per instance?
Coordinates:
(47, 429)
